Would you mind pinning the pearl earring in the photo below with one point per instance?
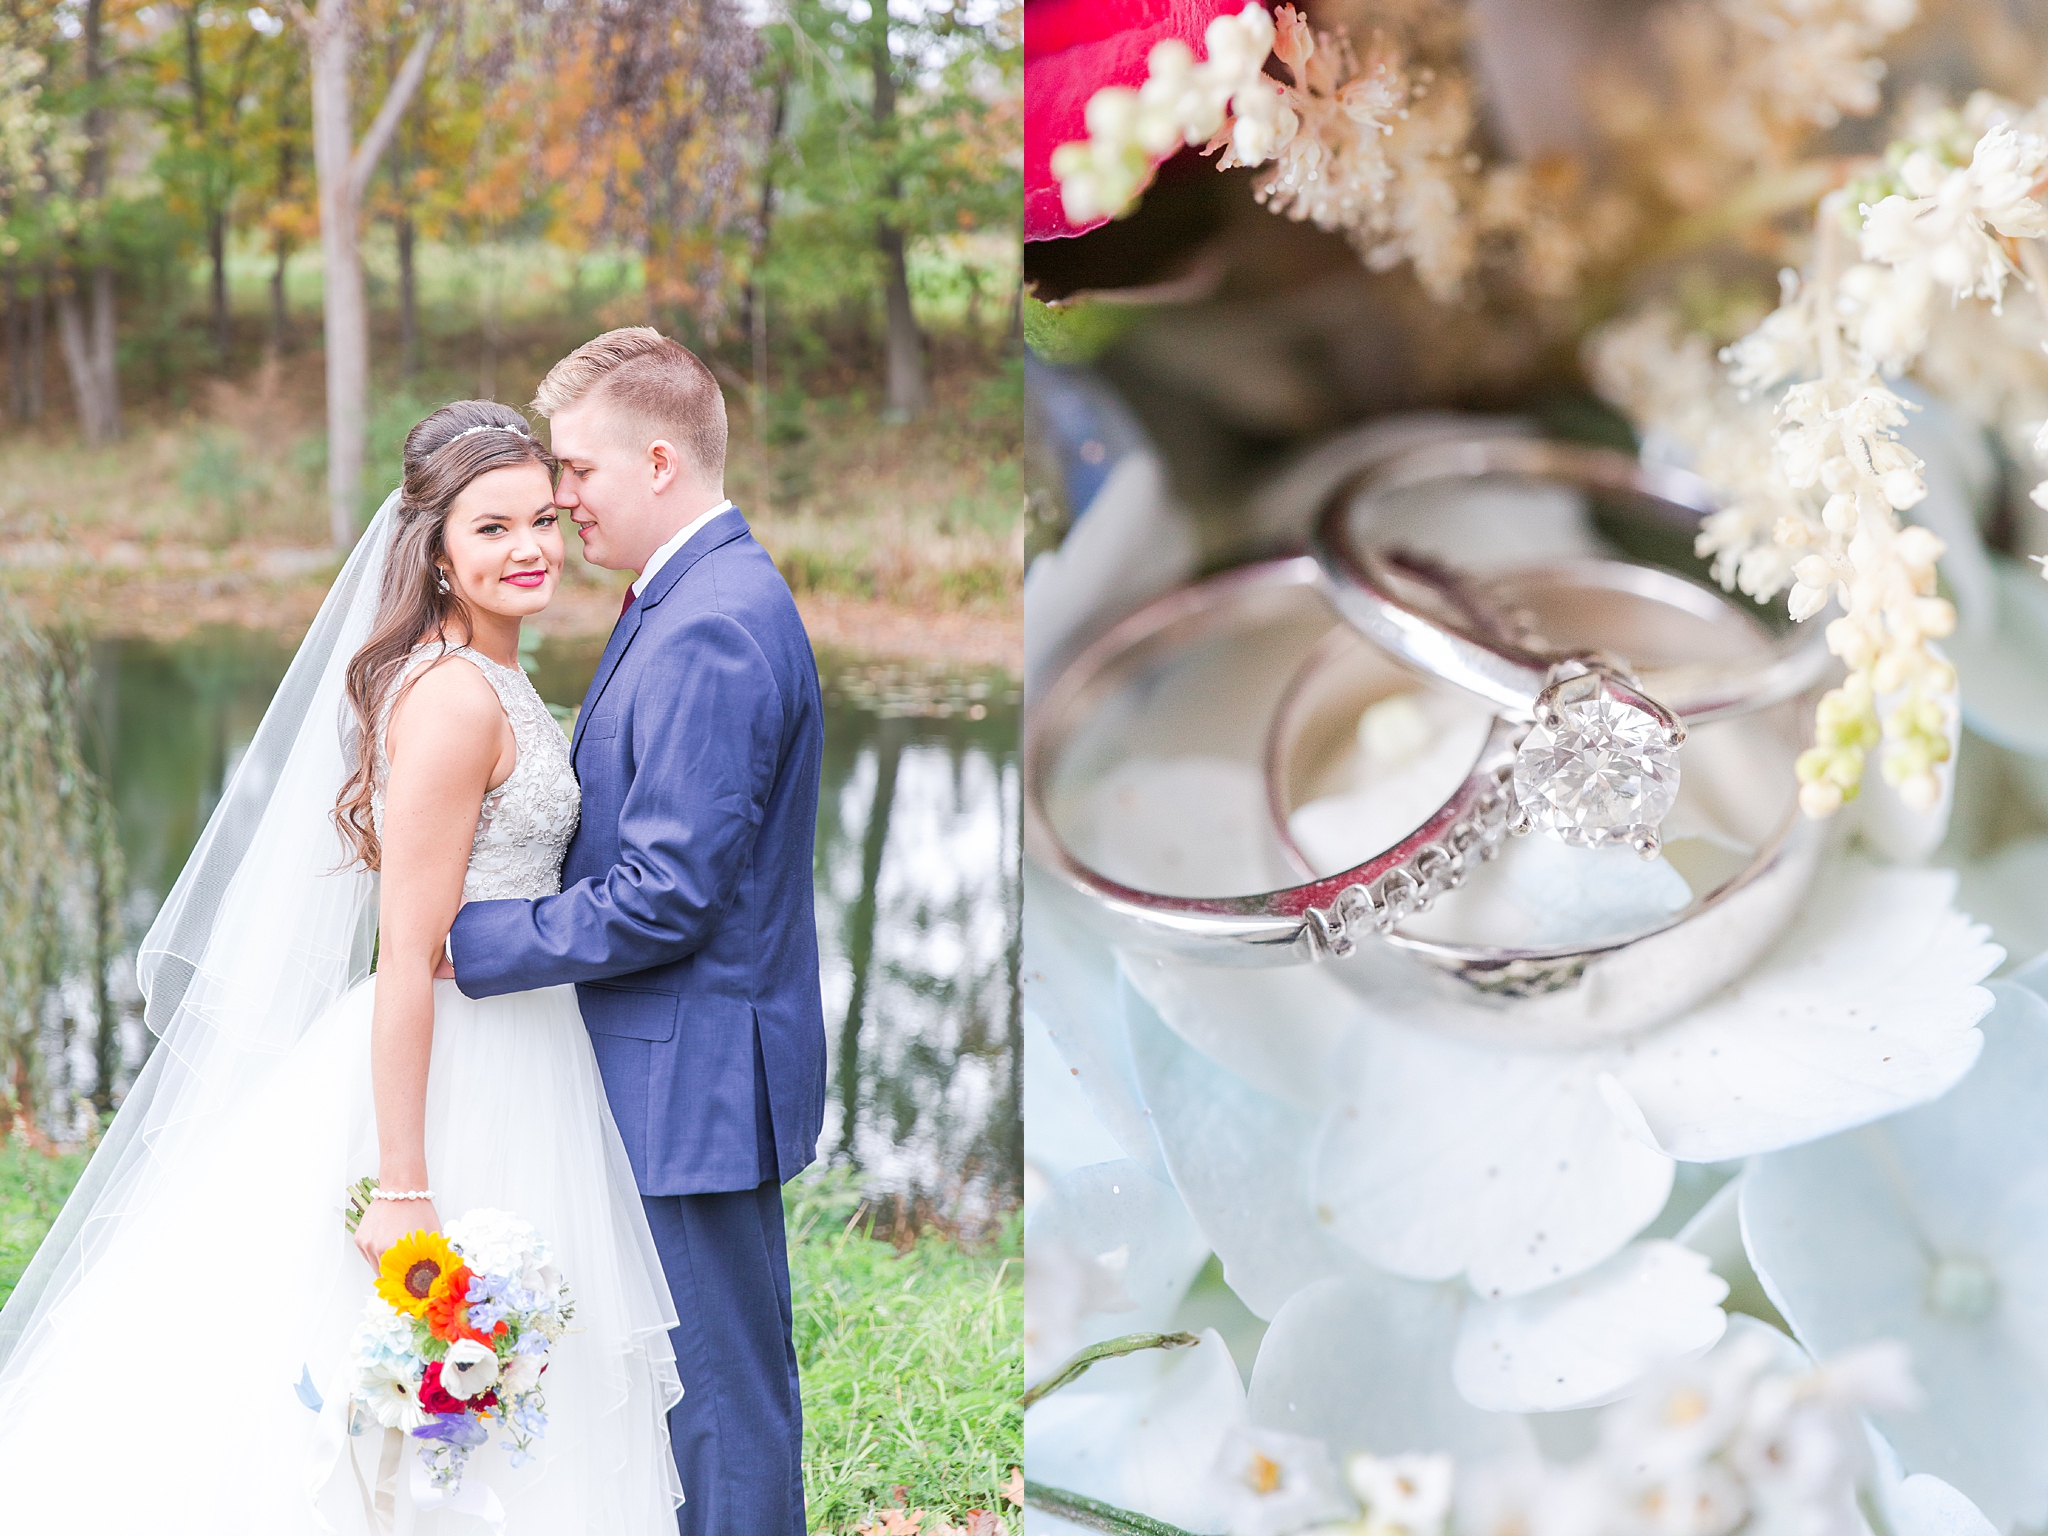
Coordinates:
(441, 580)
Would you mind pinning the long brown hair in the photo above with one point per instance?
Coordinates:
(443, 454)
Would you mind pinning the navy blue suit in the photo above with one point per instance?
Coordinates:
(686, 920)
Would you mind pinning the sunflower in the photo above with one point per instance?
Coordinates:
(418, 1270)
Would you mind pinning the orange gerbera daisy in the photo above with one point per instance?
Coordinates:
(447, 1311)
(418, 1270)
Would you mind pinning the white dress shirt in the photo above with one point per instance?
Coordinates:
(683, 536)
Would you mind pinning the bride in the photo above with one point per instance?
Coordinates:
(176, 1358)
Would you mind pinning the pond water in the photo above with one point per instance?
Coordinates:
(917, 886)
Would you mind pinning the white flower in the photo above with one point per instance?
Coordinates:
(1419, 1142)
(521, 1372)
(1408, 1494)
(468, 1369)
(1932, 1228)
(1267, 1483)
(1083, 1284)
(391, 1394)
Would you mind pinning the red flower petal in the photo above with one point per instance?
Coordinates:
(1072, 49)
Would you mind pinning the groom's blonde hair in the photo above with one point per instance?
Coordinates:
(659, 385)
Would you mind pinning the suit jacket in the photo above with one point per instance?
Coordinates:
(685, 916)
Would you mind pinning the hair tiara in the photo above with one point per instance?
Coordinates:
(489, 426)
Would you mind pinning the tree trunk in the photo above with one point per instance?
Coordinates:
(38, 308)
(346, 308)
(80, 367)
(17, 350)
(280, 311)
(754, 304)
(95, 380)
(344, 169)
(408, 302)
(105, 357)
(217, 248)
(908, 394)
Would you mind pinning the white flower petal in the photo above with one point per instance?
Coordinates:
(1867, 1007)
(1443, 1156)
(1920, 1505)
(1363, 1364)
(1589, 1339)
(1061, 1129)
(1136, 1224)
(1069, 980)
(1862, 1236)
(1279, 1030)
(1240, 1158)
(1152, 1450)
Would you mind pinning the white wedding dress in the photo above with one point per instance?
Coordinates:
(156, 1396)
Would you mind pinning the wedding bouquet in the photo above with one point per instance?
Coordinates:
(456, 1338)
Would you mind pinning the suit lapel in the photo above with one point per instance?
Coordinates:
(722, 529)
(615, 648)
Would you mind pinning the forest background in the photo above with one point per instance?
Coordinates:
(244, 248)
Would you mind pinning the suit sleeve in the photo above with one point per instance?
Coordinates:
(703, 765)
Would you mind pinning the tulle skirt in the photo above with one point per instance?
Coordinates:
(159, 1396)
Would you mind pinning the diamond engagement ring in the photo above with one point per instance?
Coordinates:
(1600, 762)
(1743, 849)
(1196, 676)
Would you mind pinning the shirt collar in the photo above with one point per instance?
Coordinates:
(681, 537)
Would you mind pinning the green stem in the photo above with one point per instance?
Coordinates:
(1093, 1514)
(1108, 1349)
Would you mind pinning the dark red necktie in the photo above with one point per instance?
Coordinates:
(627, 603)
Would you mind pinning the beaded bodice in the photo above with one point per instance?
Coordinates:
(527, 821)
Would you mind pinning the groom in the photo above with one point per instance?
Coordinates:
(685, 915)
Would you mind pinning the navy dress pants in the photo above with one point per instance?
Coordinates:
(738, 1433)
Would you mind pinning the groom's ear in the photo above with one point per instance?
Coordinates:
(665, 464)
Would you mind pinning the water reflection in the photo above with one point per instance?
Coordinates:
(916, 882)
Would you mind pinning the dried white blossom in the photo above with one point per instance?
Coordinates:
(1183, 101)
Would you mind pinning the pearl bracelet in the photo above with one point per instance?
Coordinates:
(401, 1194)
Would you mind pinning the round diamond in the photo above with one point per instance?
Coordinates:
(1605, 770)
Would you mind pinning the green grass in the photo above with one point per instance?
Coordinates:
(912, 1363)
(32, 1187)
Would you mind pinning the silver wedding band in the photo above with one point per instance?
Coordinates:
(1704, 945)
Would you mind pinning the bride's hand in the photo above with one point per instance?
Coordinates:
(389, 1220)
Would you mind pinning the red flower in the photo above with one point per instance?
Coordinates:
(1072, 49)
(436, 1398)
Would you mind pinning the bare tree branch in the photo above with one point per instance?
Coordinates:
(378, 136)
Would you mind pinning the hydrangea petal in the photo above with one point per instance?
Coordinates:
(1587, 1340)
(1240, 1159)
(1861, 1236)
(1443, 1156)
(1069, 980)
(1922, 1504)
(1279, 1030)
(1061, 1129)
(1151, 1449)
(1119, 1208)
(1363, 1363)
(1867, 1007)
